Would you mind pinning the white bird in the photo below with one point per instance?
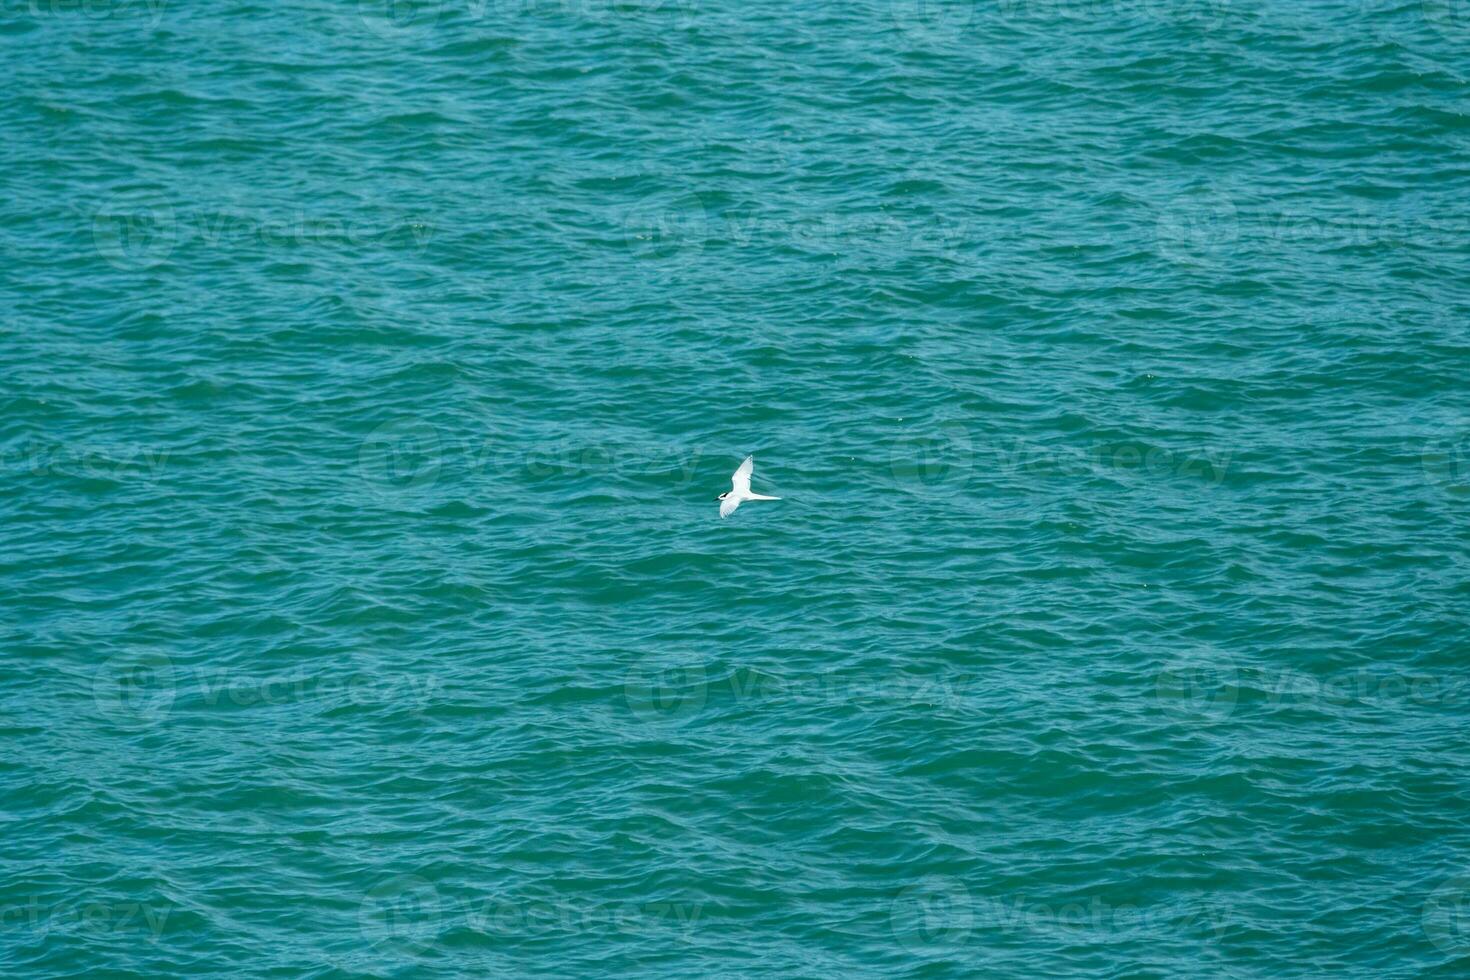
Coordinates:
(740, 489)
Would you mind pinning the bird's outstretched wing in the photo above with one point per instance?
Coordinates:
(728, 505)
(741, 479)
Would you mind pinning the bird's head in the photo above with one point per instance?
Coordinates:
(723, 495)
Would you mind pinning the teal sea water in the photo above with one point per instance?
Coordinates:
(368, 372)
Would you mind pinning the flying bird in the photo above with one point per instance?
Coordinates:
(740, 489)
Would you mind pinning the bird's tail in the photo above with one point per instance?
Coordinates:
(761, 496)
